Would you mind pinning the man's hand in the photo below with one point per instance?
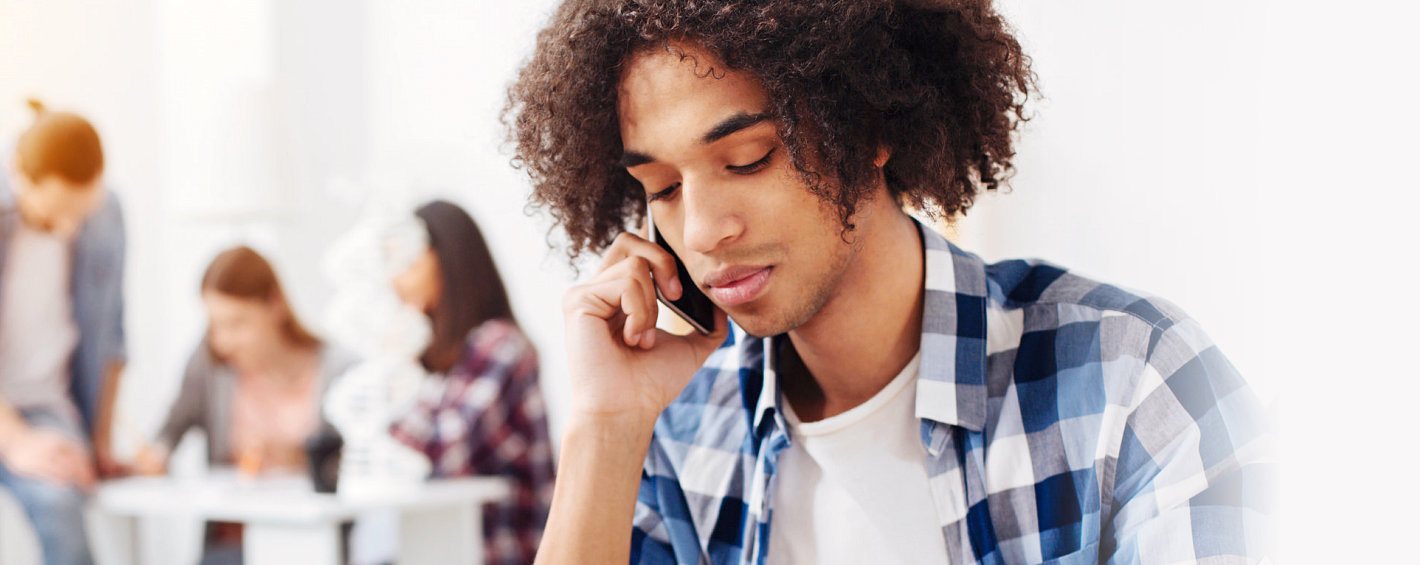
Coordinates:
(621, 365)
(49, 455)
(108, 466)
(624, 372)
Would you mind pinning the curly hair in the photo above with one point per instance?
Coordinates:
(942, 83)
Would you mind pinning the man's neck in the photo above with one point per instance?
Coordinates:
(872, 327)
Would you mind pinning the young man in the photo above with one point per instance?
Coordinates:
(61, 333)
(876, 395)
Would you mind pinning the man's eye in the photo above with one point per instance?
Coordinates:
(664, 193)
(752, 167)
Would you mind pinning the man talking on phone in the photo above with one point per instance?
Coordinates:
(868, 393)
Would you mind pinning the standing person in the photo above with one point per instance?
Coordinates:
(482, 412)
(871, 393)
(61, 326)
(254, 384)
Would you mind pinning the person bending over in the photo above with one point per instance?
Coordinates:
(61, 326)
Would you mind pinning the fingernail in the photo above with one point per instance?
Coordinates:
(649, 338)
(633, 339)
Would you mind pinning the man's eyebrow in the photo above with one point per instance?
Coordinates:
(726, 127)
(633, 158)
(731, 125)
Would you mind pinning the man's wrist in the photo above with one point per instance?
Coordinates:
(616, 424)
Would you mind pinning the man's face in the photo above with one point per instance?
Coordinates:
(723, 192)
(53, 204)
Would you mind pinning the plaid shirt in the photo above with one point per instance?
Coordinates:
(1062, 421)
(486, 417)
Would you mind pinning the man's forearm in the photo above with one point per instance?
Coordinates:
(599, 472)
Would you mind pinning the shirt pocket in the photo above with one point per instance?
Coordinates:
(1085, 555)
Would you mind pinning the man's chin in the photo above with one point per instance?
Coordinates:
(762, 322)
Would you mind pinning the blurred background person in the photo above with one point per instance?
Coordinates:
(482, 412)
(254, 384)
(61, 326)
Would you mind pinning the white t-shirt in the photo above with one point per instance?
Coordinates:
(37, 329)
(853, 488)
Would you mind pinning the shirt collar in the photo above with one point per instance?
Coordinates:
(769, 388)
(951, 381)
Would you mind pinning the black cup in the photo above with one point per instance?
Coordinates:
(323, 458)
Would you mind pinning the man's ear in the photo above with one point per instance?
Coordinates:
(884, 153)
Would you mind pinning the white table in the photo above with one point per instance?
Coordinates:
(286, 522)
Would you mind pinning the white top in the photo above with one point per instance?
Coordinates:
(853, 488)
(37, 329)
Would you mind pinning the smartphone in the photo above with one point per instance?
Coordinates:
(692, 306)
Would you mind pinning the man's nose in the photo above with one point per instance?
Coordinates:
(710, 218)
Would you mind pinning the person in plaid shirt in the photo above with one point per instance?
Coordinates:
(483, 413)
(870, 393)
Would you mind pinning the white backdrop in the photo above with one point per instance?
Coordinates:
(1239, 158)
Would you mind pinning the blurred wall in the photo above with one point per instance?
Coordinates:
(276, 124)
(1139, 166)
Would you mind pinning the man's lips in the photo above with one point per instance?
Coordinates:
(738, 284)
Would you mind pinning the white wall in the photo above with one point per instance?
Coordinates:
(1139, 165)
(437, 82)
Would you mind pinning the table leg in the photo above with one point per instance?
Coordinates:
(317, 544)
(114, 538)
(441, 535)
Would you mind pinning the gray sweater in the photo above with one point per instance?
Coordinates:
(208, 389)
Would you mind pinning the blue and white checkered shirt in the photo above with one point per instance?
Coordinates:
(1063, 421)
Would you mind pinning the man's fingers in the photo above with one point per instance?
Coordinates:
(632, 305)
(661, 264)
(610, 299)
(626, 293)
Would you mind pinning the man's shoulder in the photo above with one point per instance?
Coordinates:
(1020, 284)
(1046, 324)
(106, 223)
(1056, 333)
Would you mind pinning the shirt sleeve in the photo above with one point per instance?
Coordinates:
(1194, 472)
(190, 405)
(119, 351)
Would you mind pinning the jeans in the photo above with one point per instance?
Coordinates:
(55, 511)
